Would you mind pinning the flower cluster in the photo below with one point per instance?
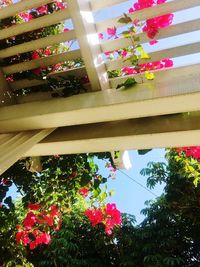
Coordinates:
(190, 151)
(110, 216)
(32, 232)
(154, 24)
(84, 191)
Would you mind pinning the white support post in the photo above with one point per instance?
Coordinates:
(83, 20)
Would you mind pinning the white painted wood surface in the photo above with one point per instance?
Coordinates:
(83, 20)
(144, 133)
(13, 146)
(148, 99)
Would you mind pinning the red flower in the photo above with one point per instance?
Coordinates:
(65, 29)
(84, 191)
(26, 16)
(22, 236)
(47, 51)
(42, 10)
(95, 216)
(34, 206)
(29, 220)
(60, 5)
(35, 55)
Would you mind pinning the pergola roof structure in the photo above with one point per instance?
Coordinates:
(161, 113)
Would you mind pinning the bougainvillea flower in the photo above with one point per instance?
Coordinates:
(35, 55)
(42, 10)
(94, 215)
(112, 31)
(193, 151)
(60, 5)
(29, 220)
(101, 36)
(84, 191)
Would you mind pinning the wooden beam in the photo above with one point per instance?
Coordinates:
(35, 44)
(35, 24)
(13, 146)
(180, 94)
(144, 133)
(44, 61)
(83, 21)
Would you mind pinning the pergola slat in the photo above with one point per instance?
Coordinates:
(35, 24)
(176, 96)
(77, 72)
(152, 12)
(144, 133)
(40, 43)
(96, 4)
(12, 10)
(174, 30)
(45, 61)
(173, 52)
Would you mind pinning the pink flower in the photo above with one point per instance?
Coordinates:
(153, 42)
(129, 70)
(26, 16)
(124, 53)
(168, 63)
(101, 36)
(42, 10)
(65, 30)
(112, 31)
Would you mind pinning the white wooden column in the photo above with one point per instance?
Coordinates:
(83, 21)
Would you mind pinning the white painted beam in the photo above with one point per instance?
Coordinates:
(13, 146)
(148, 99)
(144, 133)
(97, 5)
(44, 61)
(35, 24)
(83, 21)
(162, 75)
(39, 43)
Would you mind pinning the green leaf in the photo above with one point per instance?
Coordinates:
(125, 19)
(128, 83)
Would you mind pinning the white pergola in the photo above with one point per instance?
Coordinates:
(161, 113)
